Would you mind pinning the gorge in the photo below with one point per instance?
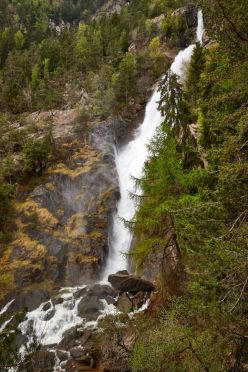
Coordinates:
(123, 194)
(52, 319)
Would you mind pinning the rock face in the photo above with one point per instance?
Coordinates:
(30, 300)
(130, 283)
(190, 13)
(62, 226)
(166, 265)
(89, 307)
(110, 7)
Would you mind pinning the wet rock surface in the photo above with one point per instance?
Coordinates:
(102, 291)
(81, 346)
(62, 226)
(30, 300)
(89, 307)
(190, 13)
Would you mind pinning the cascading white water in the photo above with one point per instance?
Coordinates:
(200, 27)
(129, 161)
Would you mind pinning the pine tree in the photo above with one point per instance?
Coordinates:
(171, 101)
(196, 66)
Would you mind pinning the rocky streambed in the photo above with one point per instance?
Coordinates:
(68, 325)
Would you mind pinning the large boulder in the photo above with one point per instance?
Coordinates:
(30, 300)
(90, 307)
(102, 291)
(130, 283)
(124, 304)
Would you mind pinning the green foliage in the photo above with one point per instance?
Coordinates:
(65, 55)
(195, 195)
(6, 194)
(35, 76)
(157, 57)
(36, 154)
(124, 80)
(172, 338)
(171, 102)
(19, 39)
(8, 348)
(193, 75)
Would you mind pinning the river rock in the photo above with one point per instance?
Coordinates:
(102, 291)
(41, 360)
(81, 292)
(130, 283)
(79, 354)
(30, 300)
(124, 304)
(123, 272)
(46, 306)
(90, 307)
(62, 355)
(49, 315)
(69, 338)
(139, 299)
(110, 300)
(58, 300)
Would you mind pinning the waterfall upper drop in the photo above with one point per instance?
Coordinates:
(200, 27)
(130, 162)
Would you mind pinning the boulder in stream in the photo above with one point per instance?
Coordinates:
(102, 291)
(90, 307)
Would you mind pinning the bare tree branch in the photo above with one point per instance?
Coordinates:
(240, 36)
(241, 294)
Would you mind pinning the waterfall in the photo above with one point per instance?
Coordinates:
(200, 27)
(130, 161)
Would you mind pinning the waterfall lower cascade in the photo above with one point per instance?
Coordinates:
(129, 162)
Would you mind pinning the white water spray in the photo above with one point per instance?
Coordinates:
(200, 27)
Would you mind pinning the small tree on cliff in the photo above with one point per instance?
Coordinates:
(36, 155)
(124, 80)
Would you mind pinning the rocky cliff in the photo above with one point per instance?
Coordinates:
(62, 225)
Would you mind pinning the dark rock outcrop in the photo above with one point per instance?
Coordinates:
(30, 300)
(90, 307)
(102, 291)
(124, 303)
(130, 283)
(190, 13)
(62, 235)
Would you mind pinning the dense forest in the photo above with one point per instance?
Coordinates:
(195, 182)
(47, 57)
(195, 196)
